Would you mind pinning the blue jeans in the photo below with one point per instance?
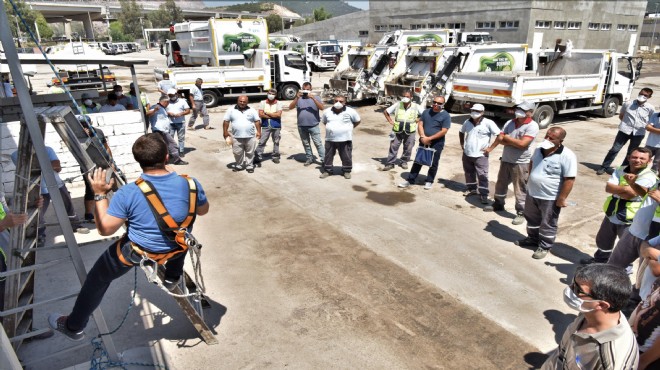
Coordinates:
(180, 130)
(315, 134)
(416, 167)
(106, 269)
(619, 141)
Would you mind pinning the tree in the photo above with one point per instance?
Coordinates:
(130, 15)
(274, 23)
(45, 31)
(167, 12)
(117, 33)
(320, 14)
(28, 14)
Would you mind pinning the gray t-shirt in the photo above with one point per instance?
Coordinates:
(308, 112)
(511, 154)
(548, 173)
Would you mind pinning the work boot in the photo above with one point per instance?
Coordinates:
(308, 162)
(58, 322)
(170, 283)
(483, 198)
(520, 218)
(324, 175)
(467, 193)
(601, 171)
(347, 175)
(540, 253)
(404, 165)
(388, 167)
(276, 159)
(496, 206)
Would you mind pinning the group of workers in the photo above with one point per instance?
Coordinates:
(542, 178)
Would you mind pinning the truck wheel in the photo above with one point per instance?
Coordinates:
(210, 98)
(610, 107)
(544, 115)
(289, 92)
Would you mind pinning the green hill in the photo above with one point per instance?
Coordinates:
(304, 8)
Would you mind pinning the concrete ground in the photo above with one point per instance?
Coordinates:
(305, 272)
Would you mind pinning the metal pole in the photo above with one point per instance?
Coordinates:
(47, 172)
(91, 24)
(282, 18)
(36, 28)
(655, 21)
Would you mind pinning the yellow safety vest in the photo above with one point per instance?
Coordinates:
(406, 119)
(624, 209)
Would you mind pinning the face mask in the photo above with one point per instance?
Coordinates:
(338, 105)
(547, 144)
(520, 113)
(88, 102)
(475, 115)
(405, 100)
(642, 99)
(271, 97)
(574, 301)
(173, 98)
(119, 93)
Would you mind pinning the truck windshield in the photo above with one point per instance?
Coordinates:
(294, 61)
(329, 49)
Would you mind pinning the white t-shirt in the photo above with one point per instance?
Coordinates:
(547, 174)
(166, 85)
(177, 107)
(477, 138)
(242, 123)
(196, 93)
(339, 126)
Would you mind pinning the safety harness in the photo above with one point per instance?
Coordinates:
(178, 233)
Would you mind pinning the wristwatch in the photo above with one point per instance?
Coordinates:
(98, 197)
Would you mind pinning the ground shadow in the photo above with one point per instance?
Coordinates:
(591, 166)
(503, 232)
(453, 185)
(535, 359)
(559, 321)
(568, 253)
(302, 158)
(381, 160)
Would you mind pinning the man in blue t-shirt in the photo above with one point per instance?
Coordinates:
(129, 206)
(308, 107)
(432, 127)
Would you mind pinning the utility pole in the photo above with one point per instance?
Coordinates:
(282, 17)
(655, 21)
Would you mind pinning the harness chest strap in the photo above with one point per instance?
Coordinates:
(166, 223)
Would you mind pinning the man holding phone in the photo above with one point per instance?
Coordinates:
(308, 107)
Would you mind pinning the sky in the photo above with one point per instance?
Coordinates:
(363, 4)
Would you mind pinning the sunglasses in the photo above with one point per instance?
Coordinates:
(579, 292)
(436, 103)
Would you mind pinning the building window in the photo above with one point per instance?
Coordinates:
(621, 27)
(574, 25)
(509, 24)
(363, 33)
(632, 27)
(594, 26)
(380, 28)
(436, 25)
(543, 24)
(605, 26)
(417, 26)
(394, 27)
(485, 25)
(456, 26)
(560, 25)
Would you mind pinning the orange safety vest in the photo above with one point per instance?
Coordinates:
(166, 223)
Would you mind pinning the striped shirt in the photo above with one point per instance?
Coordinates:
(614, 348)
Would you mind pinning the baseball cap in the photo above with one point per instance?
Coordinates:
(526, 105)
(85, 96)
(478, 107)
(171, 92)
(132, 85)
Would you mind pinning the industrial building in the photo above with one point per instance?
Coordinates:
(588, 24)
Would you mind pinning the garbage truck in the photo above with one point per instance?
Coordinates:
(232, 56)
(321, 55)
(563, 83)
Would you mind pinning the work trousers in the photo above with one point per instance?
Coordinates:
(345, 149)
(541, 216)
(605, 238)
(476, 173)
(68, 205)
(200, 109)
(619, 141)
(106, 269)
(433, 170)
(243, 149)
(626, 250)
(180, 130)
(266, 133)
(408, 141)
(313, 133)
(516, 173)
(172, 148)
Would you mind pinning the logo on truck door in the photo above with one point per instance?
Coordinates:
(501, 61)
(427, 37)
(240, 42)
